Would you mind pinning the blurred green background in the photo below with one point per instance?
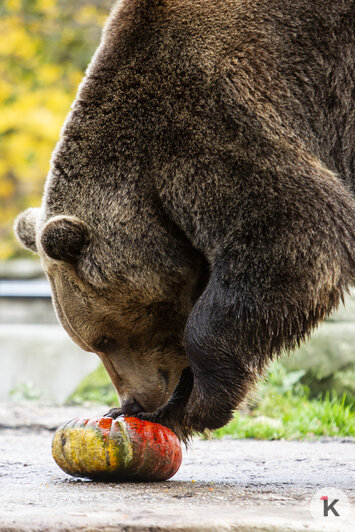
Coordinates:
(45, 47)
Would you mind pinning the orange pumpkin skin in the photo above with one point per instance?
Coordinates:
(120, 449)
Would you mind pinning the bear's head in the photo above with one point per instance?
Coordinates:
(136, 329)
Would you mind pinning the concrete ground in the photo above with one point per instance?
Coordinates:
(222, 485)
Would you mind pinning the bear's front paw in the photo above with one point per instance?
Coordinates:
(206, 411)
(114, 413)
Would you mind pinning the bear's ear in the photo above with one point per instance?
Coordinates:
(25, 228)
(64, 238)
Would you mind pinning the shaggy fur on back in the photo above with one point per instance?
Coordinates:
(207, 166)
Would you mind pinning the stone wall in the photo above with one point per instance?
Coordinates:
(329, 356)
(37, 357)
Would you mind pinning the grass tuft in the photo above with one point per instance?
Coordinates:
(283, 408)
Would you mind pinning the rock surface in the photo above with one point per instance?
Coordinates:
(222, 485)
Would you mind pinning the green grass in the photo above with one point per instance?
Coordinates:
(283, 408)
(95, 388)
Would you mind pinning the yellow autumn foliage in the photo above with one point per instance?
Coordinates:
(45, 47)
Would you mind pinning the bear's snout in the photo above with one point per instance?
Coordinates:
(131, 408)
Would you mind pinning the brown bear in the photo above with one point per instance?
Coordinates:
(199, 213)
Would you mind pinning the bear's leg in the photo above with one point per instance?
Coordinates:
(282, 268)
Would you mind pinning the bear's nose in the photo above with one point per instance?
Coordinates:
(130, 408)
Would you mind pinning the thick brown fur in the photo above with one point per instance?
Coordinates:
(205, 179)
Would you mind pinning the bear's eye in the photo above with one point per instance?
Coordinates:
(105, 344)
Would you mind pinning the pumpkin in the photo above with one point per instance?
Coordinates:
(119, 449)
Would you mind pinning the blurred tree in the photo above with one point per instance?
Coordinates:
(45, 47)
